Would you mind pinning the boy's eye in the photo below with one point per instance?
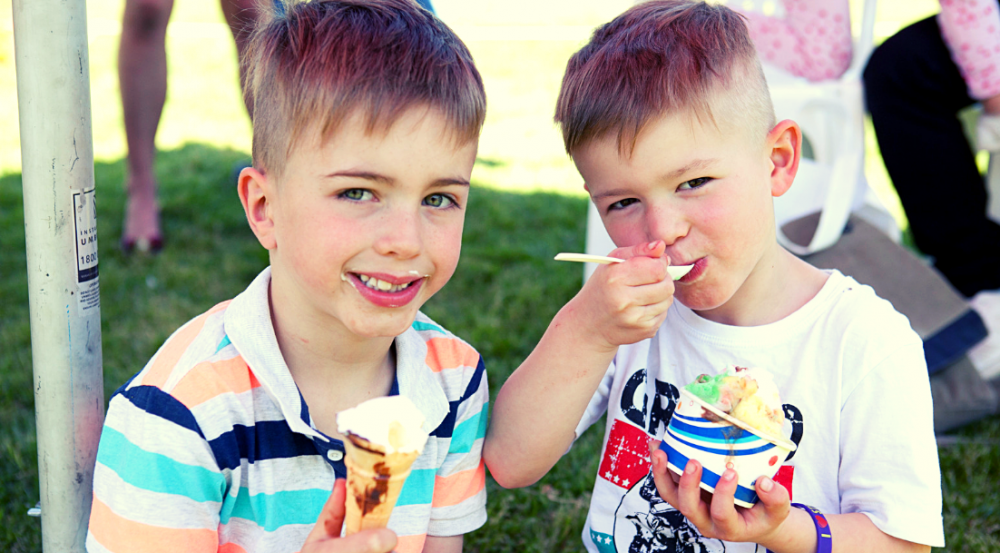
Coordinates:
(693, 183)
(357, 194)
(439, 200)
(622, 204)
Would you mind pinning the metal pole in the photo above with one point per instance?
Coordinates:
(57, 159)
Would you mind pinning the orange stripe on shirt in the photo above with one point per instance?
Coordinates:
(410, 544)
(208, 380)
(126, 536)
(450, 353)
(458, 487)
(231, 548)
(171, 352)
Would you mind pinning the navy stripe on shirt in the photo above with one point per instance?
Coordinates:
(447, 426)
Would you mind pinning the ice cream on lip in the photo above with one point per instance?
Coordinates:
(747, 394)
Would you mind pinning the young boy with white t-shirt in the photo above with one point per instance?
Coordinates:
(667, 116)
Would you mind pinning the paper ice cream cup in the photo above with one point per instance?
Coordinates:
(718, 441)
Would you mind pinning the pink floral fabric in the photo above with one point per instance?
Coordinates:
(971, 29)
(813, 40)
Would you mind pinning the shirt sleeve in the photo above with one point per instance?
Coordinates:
(812, 40)
(459, 504)
(156, 480)
(971, 29)
(889, 464)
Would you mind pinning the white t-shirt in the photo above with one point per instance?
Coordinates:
(856, 393)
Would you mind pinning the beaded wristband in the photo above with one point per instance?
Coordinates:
(824, 538)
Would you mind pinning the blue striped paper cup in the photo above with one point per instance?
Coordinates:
(719, 444)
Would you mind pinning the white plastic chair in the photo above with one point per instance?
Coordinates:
(992, 188)
(831, 114)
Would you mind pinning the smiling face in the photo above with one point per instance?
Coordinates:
(365, 227)
(707, 192)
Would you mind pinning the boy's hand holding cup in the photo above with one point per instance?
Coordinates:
(624, 303)
(717, 516)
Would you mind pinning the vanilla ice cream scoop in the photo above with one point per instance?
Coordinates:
(392, 422)
(384, 436)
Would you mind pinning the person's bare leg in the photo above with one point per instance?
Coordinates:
(241, 15)
(142, 76)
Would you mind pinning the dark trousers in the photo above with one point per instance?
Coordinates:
(914, 92)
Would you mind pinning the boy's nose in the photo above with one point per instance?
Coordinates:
(398, 234)
(664, 222)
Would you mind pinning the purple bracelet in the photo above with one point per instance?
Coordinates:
(824, 538)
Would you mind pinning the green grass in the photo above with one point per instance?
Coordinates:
(970, 475)
(501, 299)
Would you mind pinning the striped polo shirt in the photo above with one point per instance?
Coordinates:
(211, 448)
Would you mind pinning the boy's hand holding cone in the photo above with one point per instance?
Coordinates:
(325, 536)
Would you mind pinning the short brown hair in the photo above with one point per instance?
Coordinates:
(660, 57)
(316, 62)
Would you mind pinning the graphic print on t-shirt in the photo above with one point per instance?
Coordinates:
(643, 522)
(647, 524)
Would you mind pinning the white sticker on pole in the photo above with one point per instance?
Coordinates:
(88, 288)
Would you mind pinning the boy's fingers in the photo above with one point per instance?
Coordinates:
(723, 508)
(661, 477)
(689, 496)
(381, 540)
(334, 523)
(325, 535)
(643, 271)
(774, 497)
(331, 518)
(646, 249)
(657, 311)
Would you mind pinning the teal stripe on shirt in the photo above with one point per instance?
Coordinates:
(417, 325)
(272, 511)
(225, 342)
(156, 472)
(418, 488)
(468, 431)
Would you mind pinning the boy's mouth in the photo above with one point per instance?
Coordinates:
(387, 290)
(695, 272)
(383, 285)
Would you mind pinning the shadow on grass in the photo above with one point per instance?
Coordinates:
(501, 298)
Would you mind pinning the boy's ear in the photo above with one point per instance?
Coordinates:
(256, 195)
(784, 144)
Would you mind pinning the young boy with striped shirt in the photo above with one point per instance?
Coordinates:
(366, 123)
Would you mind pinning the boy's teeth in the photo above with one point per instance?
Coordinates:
(382, 285)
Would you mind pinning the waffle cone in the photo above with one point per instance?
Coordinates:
(374, 480)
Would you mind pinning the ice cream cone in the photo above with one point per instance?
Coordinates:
(374, 480)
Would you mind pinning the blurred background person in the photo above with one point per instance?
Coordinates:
(142, 76)
(916, 83)
(812, 39)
